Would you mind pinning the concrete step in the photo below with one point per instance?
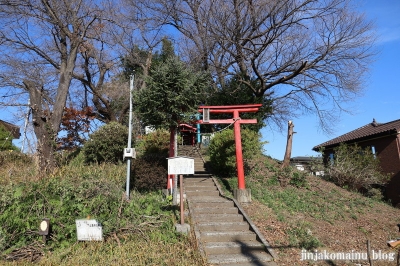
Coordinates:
(227, 217)
(211, 210)
(228, 236)
(206, 175)
(211, 193)
(220, 204)
(233, 247)
(223, 226)
(201, 172)
(249, 258)
(200, 186)
(205, 199)
(191, 184)
(198, 180)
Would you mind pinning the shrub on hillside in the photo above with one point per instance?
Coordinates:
(149, 172)
(14, 157)
(106, 144)
(6, 140)
(154, 142)
(355, 168)
(222, 150)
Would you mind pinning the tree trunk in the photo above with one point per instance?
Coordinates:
(288, 153)
(43, 129)
(47, 119)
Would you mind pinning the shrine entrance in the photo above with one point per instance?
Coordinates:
(241, 194)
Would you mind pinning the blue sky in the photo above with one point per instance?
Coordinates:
(381, 99)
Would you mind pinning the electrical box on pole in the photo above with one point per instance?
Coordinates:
(129, 153)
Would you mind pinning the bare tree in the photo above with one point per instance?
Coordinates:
(305, 55)
(40, 42)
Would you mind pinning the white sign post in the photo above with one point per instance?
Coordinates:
(181, 166)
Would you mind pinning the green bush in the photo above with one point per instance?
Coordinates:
(300, 235)
(222, 150)
(149, 172)
(154, 142)
(106, 144)
(6, 140)
(355, 168)
(298, 179)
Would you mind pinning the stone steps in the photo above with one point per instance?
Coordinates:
(222, 231)
(258, 258)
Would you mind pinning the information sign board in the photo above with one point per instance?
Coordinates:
(89, 230)
(180, 165)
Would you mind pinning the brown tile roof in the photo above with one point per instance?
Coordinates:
(366, 131)
(12, 128)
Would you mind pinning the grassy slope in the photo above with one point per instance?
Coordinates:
(137, 232)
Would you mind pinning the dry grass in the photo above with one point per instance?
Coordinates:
(15, 168)
(134, 250)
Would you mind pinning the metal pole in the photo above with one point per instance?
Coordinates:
(175, 197)
(128, 161)
(181, 200)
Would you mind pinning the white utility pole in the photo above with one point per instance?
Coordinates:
(128, 161)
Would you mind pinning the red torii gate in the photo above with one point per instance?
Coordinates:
(235, 110)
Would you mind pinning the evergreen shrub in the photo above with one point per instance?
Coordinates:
(156, 142)
(106, 144)
(149, 172)
(222, 150)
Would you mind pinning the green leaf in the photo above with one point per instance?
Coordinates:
(18, 192)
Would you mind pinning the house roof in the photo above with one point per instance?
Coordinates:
(370, 130)
(303, 160)
(186, 127)
(12, 128)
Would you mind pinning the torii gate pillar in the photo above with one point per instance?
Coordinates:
(241, 194)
